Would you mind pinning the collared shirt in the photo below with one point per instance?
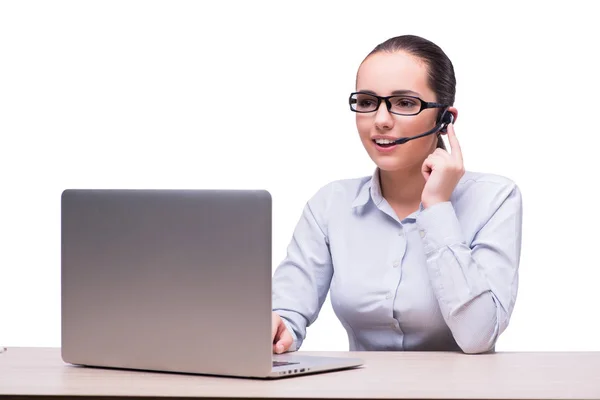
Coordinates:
(444, 278)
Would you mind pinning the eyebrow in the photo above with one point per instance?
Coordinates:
(394, 93)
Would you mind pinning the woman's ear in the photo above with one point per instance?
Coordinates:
(454, 113)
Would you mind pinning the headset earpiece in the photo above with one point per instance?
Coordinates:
(447, 119)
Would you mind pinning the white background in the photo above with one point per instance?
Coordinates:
(248, 94)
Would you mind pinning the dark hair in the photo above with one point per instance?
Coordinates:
(440, 70)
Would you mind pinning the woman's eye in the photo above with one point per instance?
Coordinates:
(405, 103)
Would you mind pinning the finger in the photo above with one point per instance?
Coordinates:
(426, 172)
(283, 339)
(278, 329)
(284, 343)
(442, 153)
(274, 326)
(435, 160)
(429, 165)
(454, 145)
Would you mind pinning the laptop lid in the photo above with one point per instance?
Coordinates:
(168, 280)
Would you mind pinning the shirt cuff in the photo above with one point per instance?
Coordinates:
(439, 227)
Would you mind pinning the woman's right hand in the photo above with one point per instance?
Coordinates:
(280, 336)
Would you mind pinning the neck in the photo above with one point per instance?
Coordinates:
(403, 187)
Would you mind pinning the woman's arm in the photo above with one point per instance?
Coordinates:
(476, 284)
(302, 279)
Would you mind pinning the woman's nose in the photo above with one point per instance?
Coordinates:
(383, 118)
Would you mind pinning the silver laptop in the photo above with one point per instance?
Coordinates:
(173, 280)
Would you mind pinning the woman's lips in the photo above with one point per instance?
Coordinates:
(385, 148)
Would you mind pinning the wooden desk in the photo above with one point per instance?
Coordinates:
(39, 372)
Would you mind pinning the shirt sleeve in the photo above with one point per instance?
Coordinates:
(301, 281)
(475, 284)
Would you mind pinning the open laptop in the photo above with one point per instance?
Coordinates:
(172, 280)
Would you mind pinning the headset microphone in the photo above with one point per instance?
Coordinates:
(446, 119)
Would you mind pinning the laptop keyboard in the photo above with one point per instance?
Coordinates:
(282, 363)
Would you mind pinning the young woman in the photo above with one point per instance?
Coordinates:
(421, 255)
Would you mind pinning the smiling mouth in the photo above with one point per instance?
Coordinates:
(385, 143)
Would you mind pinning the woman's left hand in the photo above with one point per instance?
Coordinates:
(442, 171)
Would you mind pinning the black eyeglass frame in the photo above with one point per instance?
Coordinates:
(424, 104)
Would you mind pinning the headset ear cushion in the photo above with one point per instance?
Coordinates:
(446, 119)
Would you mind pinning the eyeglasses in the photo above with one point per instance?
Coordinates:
(399, 104)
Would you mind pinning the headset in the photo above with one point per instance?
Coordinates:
(446, 119)
(441, 126)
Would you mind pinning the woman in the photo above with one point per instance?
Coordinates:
(421, 255)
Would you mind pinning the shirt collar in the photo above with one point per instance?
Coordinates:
(370, 190)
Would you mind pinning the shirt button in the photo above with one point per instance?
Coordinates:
(396, 264)
(388, 295)
(400, 233)
(422, 232)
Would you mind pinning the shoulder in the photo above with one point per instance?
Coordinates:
(482, 182)
(335, 200)
(485, 192)
(339, 193)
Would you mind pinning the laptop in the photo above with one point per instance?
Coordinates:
(173, 281)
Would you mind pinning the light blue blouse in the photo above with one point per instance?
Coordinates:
(443, 278)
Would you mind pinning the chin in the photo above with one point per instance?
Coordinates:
(388, 164)
(395, 163)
